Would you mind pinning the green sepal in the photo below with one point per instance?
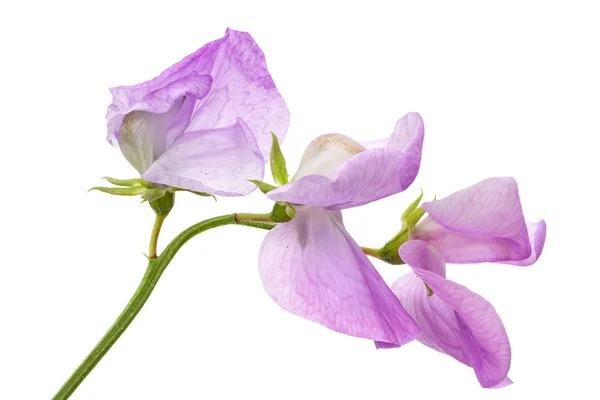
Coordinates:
(121, 191)
(151, 195)
(389, 251)
(127, 182)
(411, 208)
(414, 218)
(280, 213)
(290, 211)
(163, 205)
(278, 168)
(263, 186)
(203, 194)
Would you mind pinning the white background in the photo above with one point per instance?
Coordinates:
(507, 89)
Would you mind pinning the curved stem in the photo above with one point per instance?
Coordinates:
(156, 266)
(158, 222)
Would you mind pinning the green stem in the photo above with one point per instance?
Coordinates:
(156, 267)
(158, 222)
(371, 252)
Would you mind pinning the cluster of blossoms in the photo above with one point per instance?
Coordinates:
(204, 126)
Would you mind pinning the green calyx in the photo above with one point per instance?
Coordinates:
(409, 219)
(282, 212)
(149, 192)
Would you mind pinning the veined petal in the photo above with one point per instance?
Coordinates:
(241, 88)
(418, 252)
(218, 161)
(481, 223)
(145, 135)
(151, 99)
(312, 268)
(455, 321)
(364, 177)
(537, 238)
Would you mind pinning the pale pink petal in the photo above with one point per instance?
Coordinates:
(312, 268)
(366, 176)
(243, 88)
(455, 321)
(153, 99)
(537, 238)
(481, 223)
(217, 161)
(144, 136)
(240, 87)
(418, 252)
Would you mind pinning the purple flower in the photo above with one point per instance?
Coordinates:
(204, 123)
(311, 266)
(481, 223)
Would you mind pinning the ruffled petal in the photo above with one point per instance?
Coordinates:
(241, 88)
(418, 252)
(217, 161)
(145, 135)
(537, 238)
(366, 176)
(481, 223)
(151, 99)
(456, 321)
(312, 268)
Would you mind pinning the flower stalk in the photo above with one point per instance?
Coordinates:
(155, 269)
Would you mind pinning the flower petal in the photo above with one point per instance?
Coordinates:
(217, 161)
(312, 268)
(151, 98)
(481, 223)
(366, 176)
(326, 154)
(241, 88)
(456, 321)
(537, 238)
(418, 252)
(145, 135)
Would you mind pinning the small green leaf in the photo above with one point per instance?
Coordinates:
(127, 182)
(264, 186)
(124, 191)
(278, 168)
(411, 207)
(152, 194)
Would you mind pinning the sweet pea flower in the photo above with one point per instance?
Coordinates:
(311, 266)
(481, 223)
(203, 124)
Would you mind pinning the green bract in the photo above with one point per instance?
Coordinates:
(278, 168)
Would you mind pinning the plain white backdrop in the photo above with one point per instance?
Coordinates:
(505, 89)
